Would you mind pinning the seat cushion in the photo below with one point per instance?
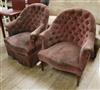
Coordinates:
(64, 53)
(21, 43)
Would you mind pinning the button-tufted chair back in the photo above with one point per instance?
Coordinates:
(69, 42)
(22, 43)
(31, 18)
(72, 25)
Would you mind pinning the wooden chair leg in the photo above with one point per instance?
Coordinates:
(78, 80)
(42, 66)
(2, 26)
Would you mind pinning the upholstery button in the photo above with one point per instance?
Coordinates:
(87, 22)
(53, 33)
(86, 16)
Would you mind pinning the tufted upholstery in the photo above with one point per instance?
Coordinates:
(69, 24)
(67, 44)
(31, 18)
(23, 32)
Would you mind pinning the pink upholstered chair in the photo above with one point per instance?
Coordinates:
(68, 43)
(22, 42)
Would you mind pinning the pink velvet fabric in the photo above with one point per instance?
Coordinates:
(67, 44)
(30, 19)
(23, 32)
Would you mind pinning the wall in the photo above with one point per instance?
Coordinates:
(57, 6)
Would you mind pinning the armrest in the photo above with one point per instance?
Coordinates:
(89, 42)
(84, 57)
(87, 50)
(34, 35)
(43, 39)
(49, 37)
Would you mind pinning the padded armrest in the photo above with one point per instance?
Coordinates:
(44, 38)
(48, 38)
(38, 30)
(34, 35)
(87, 49)
(89, 43)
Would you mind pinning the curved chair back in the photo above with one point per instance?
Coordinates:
(74, 25)
(32, 17)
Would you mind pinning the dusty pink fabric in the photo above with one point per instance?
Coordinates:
(20, 43)
(30, 19)
(62, 53)
(69, 41)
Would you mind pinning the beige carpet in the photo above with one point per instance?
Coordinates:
(14, 76)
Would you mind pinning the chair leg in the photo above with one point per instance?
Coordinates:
(42, 66)
(78, 80)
